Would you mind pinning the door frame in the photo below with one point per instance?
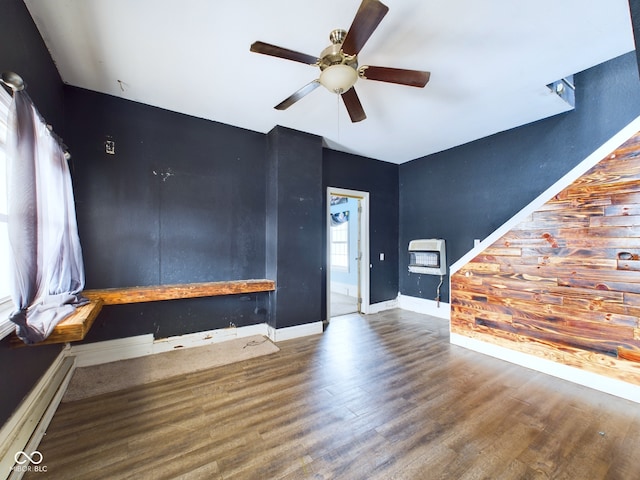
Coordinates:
(365, 262)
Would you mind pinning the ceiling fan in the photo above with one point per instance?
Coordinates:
(338, 63)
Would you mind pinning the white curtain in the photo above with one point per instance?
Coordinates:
(48, 273)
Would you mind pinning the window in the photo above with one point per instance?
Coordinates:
(340, 246)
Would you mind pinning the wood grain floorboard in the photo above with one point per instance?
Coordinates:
(375, 397)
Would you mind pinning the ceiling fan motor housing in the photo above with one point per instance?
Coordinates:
(333, 54)
(338, 71)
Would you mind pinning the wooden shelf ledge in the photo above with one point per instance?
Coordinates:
(154, 293)
(75, 327)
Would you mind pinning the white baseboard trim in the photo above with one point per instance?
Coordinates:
(209, 337)
(297, 331)
(581, 377)
(382, 306)
(97, 353)
(427, 307)
(132, 347)
(24, 430)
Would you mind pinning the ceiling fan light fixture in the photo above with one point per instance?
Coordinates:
(338, 78)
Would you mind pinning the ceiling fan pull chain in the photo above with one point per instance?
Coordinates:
(338, 114)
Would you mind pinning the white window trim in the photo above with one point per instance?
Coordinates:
(341, 268)
(7, 327)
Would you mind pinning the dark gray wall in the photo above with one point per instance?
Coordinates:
(182, 200)
(188, 200)
(469, 191)
(294, 227)
(380, 179)
(23, 51)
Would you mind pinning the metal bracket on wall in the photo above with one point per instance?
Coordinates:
(565, 89)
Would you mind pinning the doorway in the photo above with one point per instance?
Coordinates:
(347, 252)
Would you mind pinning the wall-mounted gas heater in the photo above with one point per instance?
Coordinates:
(428, 256)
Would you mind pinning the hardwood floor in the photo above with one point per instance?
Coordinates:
(375, 397)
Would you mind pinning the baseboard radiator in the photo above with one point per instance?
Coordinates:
(21, 434)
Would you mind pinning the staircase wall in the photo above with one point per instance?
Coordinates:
(563, 282)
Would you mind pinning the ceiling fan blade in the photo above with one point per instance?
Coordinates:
(354, 107)
(413, 78)
(275, 51)
(307, 89)
(367, 19)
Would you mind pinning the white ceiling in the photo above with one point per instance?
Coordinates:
(489, 62)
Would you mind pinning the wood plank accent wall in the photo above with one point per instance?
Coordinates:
(564, 284)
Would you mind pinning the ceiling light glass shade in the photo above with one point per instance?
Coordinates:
(338, 78)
